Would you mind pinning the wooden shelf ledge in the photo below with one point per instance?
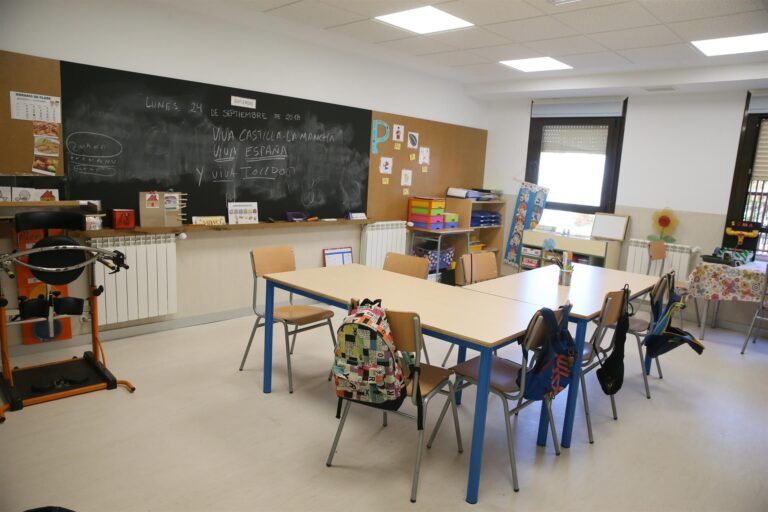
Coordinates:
(194, 228)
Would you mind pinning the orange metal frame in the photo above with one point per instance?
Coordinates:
(98, 353)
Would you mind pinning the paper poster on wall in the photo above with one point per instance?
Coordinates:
(413, 140)
(406, 177)
(5, 194)
(424, 155)
(45, 194)
(412, 157)
(152, 200)
(385, 165)
(47, 147)
(398, 132)
(243, 213)
(397, 146)
(406, 191)
(28, 106)
(23, 193)
(424, 168)
(385, 181)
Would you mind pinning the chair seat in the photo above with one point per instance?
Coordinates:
(638, 324)
(430, 377)
(503, 373)
(302, 315)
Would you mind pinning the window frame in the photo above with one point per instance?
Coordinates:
(742, 172)
(612, 158)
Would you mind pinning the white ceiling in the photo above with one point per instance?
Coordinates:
(596, 37)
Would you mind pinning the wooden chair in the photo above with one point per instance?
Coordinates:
(596, 352)
(504, 384)
(268, 260)
(476, 267)
(426, 382)
(413, 266)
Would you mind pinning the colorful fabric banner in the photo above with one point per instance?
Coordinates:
(528, 209)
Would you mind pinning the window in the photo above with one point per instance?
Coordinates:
(749, 192)
(577, 158)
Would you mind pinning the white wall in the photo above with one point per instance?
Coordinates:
(146, 37)
(680, 151)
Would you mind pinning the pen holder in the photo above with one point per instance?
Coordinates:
(564, 279)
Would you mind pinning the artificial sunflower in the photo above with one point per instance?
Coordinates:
(665, 222)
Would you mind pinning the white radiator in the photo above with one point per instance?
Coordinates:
(148, 288)
(380, 238)
(680, 258)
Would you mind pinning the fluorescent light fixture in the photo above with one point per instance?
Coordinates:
(536, 64)
(424, 20)
(558, 3)
(732, 45)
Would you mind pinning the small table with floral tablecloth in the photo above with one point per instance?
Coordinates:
(713, 281)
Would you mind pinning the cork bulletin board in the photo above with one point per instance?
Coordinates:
(36, 76)
(456, 159)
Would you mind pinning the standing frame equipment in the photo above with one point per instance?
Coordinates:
(55, 260)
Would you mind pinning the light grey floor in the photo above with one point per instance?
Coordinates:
(199, 435)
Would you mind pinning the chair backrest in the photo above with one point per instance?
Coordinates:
(478, 267)
(406, 331)
(657, 251)
(537, 329)
(413, 266)
(268, 260)
(609, 315)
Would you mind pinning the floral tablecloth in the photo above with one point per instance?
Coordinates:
(712, 281)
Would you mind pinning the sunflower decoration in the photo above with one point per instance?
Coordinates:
(665, 222)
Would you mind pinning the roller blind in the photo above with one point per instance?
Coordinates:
(758, 102)
(591, 139)
(578, 107)
(760, 165)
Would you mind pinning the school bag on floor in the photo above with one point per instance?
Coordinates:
(552, 371)
(366, 367)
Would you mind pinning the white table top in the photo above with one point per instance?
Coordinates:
(479, 318)
(589, 285)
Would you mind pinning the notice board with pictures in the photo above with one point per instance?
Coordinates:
(412, 156)
(30, 94)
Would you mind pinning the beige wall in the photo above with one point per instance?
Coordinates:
(214, 269)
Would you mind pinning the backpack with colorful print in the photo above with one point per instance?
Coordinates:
(366, 367)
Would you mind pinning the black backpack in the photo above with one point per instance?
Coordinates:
(611, 371)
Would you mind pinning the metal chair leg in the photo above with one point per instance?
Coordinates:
(613, 407)
(329, 461)
(455, 410)
(586, 408)
(696, 308)
(384, 419)
(439, 423)
(288, 358)
(426, 354)
(642, 367)
(749, 333)
(293, 342)
(250, 340)
(552, 426)
(511, 446)
(658, 368)
(333, 334)
(445, 360)
(417, 465)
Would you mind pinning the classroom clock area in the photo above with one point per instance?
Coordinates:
(291, 255)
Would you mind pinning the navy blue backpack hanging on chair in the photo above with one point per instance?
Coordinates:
(552, 371)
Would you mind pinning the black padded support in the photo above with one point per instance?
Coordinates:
(50, 220)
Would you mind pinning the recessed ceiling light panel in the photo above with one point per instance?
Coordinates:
(536, 64)
(557, 3)
(732, 45)
(424, 20)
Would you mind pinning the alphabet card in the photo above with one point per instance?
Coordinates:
(398, 132)
(413, 140)
(423, 155)
(385, 165)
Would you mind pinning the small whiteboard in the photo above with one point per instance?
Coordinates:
(610, 227)
(336, 257)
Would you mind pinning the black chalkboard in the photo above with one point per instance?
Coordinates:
(128, 132)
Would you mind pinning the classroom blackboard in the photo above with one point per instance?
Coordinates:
(128, 132)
